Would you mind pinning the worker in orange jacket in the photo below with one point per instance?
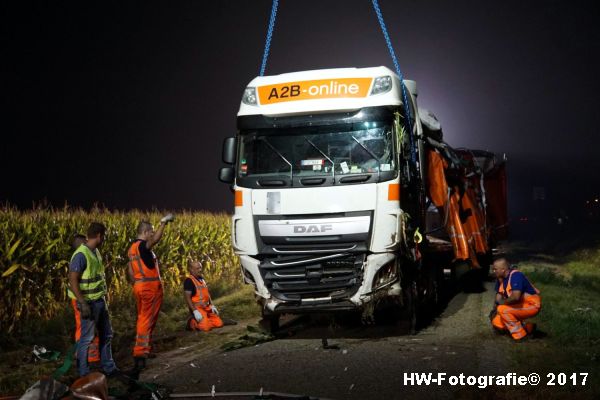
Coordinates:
(516, 300)
(205, 315)
(93, 352)
(144, 273)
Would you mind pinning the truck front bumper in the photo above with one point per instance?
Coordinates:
(359, 293)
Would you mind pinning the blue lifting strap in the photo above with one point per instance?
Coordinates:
(269, 37)
(413, 156)
(390, 48)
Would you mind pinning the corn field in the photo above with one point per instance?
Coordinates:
(35, 249)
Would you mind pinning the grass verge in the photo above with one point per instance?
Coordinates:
(570, 317)
(18, 370)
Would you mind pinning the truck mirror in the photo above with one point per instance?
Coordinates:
(229, 151)
(226, 174)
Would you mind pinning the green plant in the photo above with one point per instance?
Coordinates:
(35, 252)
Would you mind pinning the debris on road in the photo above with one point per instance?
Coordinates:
(42, 354)
(254, 337)
(582, 309)
(328, 346)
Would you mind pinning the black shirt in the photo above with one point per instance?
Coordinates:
(146, 255)
(188, 285)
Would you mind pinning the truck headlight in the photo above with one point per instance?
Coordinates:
(382, 84)
(385, 275)
(249, 96)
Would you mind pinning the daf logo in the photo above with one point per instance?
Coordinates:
(312, 228)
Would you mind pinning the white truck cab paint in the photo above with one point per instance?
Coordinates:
(317, 174)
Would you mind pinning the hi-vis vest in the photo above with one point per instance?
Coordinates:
(92, 284)
(141, 273)
(508, 291)
(201, 298)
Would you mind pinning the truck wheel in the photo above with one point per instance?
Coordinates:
(270, 323)
(413, 309)
(435, 301)
(485, 261)
(410, 306)
(431, 292)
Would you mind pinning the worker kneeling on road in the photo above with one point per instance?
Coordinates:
(516, 300)
(205, 315)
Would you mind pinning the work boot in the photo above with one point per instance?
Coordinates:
(139, 363)
(530, 328)
(524, 339)
(499, 332)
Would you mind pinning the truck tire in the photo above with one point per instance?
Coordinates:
(430, 291)
(485, 261)
(270, 322)
(410, 306)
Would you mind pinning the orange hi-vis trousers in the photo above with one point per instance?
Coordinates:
(149, 297)
(209, 320)
(93, 350)
(511, 316)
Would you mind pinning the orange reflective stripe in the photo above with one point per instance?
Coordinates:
(156, 278)
(394, 192)
(509, 285)
(136, 261)
(239, 198)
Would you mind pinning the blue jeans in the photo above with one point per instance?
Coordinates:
(99, 320)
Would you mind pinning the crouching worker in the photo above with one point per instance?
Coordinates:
(205, 315)
(516, 300)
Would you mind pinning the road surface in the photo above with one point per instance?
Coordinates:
(370, 362)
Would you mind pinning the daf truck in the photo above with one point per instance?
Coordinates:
(335, 205)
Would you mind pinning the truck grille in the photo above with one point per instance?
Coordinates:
(335, 276)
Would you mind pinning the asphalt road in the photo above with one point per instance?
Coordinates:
(370, 362)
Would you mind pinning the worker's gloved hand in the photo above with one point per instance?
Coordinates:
(167, 218)
(85, 310)
(500, 302)
(214, 310)
(197, 316)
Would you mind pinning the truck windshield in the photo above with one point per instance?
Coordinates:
(359, 148)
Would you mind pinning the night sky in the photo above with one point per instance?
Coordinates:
(127, 104)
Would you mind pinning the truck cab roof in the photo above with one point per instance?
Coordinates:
(324, 90)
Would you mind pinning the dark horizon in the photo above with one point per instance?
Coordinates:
(128, 106)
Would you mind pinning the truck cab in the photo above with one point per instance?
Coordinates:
(328, 190)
